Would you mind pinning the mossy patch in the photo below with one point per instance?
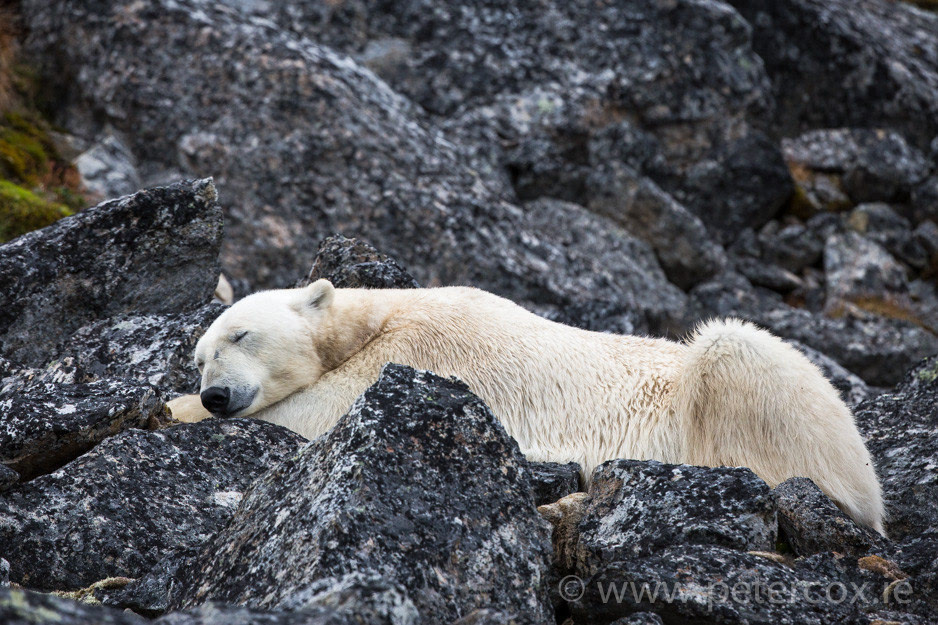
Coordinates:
(929, 374)
(21, 211)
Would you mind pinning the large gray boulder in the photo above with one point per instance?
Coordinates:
(837, 63)
(305, 143)
(118, 509)
(152, 252)
(418, 484)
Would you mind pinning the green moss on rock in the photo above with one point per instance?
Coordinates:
(21, 211)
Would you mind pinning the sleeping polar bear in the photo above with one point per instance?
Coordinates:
(733, 395)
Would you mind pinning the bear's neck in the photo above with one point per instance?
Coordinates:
(357, 316)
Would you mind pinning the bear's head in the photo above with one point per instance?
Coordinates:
(263, 349)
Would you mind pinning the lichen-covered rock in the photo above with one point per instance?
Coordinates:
(351, 600)
(638, 507)
(22, 607)
(418, 484)
(901, 432)
(152, 252)
(874, 165)
(811, 522)
(152, 349)
(713, 584)
(843, 63)
(308, 143)
(46, 424)
(118, 509)
(860, 272)
(551, 481)
(108, 169)
(354, 264)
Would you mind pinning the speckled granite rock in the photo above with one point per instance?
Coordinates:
(308, 143)
(350, 600)
(901, 432)
(811, 522)
(153, 349)
(46, 424)
(418, 484)
(22, 607)
(551, 481)
(636, 508)
(354, 264)
(711, 584)
(152, 252)
(839, 63)
(859, 271)
(146, 492)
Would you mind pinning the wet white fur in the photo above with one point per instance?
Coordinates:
(732, 395)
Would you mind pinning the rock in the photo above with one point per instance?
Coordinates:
(924, 204)
(108, 169)
(48, 424)
(22, 607)
(860, 272)
(639, 618)
(879, 223)
(811, 522)
(354, 264)
(852, 389)
(8, 477)
(637, 508)
(840, 63)
(548, 91)
(874, 165)
(901, 432)
(4, 573)
(551, 481)
(352, 600)
(418, 484)
(306, 143)
(877, 349)
(146, 492)
(680, 240)
(152, 252)
(152, 349)
(711, 584)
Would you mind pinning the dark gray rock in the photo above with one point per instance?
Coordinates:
(418, 484)
(924, 205)
(351, 600)
(4, 572)
(551, 481)
(551, 90)
(901, 432)
(46, 424)
(22, 607)
(636, 508)
(152, 252)
(878, 349)
(883, 225)
(811, 522)
(108, 169)
(680, 240)
(639, 618)
(852, 389)
(8, 477)
(118, 509)
(838, 63)
(711, 584)
(354, 264)
(861, 273)
(308, 144)
(874, 165)
(153, 349)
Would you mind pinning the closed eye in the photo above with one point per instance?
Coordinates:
(200, 364)
(240, 335)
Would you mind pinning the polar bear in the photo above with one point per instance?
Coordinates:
(732, 395)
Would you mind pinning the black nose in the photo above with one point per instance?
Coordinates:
(215, 399)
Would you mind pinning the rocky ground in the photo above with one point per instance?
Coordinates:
(626, 166)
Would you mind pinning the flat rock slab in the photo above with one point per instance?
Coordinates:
(46, 424)
(118, 509)
(638, 507)
(154, 252)
(418, 484)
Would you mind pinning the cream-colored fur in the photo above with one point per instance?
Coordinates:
(732, 395)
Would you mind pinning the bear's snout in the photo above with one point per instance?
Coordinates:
(215, 399)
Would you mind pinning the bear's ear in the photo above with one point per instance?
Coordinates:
(318, 295)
